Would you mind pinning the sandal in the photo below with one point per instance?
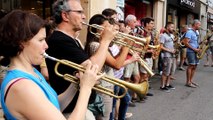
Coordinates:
(190, 85)
(172, 78)
(195, 84)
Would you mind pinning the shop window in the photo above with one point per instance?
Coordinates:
(39, 7)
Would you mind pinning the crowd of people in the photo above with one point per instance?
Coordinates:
(30, 80)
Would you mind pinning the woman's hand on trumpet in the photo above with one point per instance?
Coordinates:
(108, 33)
(90, 77)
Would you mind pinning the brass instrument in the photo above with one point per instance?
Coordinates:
(119, 38)
(177, 44)
(141, 89)
(144, 65)
(156, 34)
(203, 45)
(157, 51)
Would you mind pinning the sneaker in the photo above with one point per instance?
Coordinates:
(161, 72)
(170, 87)
(181, 68)
(149, 94)
(131, 104)
(165, 89)
(128, 115)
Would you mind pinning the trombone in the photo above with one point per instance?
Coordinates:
(119, 38)
(141, 89)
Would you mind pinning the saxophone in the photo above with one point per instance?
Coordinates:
(204, 45)
(157, 46)
(177, 44)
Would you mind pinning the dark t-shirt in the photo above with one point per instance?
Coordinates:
(63, 46)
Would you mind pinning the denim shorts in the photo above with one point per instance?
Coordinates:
(192, 58)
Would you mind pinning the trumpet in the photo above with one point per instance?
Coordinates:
(144, 65)
(141, 89)
(119, 38)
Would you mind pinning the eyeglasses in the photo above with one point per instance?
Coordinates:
(78, 11)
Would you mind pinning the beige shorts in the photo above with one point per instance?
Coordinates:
(149, 62)
(131, 69)
(169, 66)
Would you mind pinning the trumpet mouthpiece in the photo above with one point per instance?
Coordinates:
(45, 55)
(84, 23)
(49, 57)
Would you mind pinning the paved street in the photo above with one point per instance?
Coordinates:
(184, 103)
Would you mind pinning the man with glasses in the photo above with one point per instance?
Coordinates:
(69, 15)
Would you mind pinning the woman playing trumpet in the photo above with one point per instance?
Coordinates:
(22, 39)
(111, 62)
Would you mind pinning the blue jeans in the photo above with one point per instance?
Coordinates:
(116, 90)
(124, 103)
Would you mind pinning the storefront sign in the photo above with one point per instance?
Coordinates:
(188, 3)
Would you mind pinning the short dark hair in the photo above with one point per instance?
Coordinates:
(16, 28)
(168, 24)
(147, 20)
(108, 12)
